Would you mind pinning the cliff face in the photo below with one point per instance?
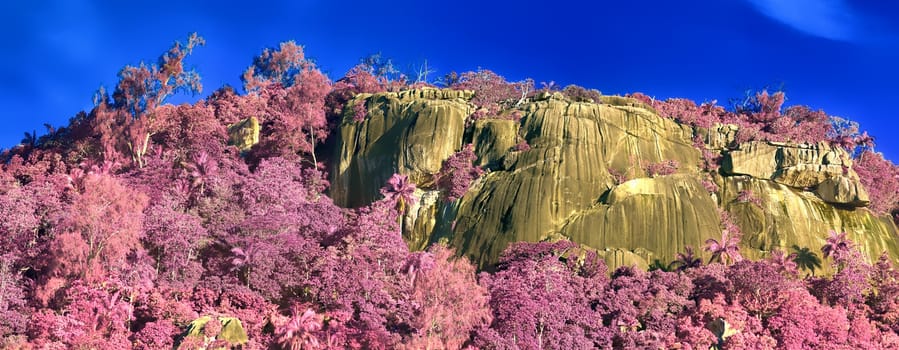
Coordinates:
(583, 178)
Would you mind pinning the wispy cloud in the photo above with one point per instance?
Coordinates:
(831, 19)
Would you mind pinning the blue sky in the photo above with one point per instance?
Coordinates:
(835, 55)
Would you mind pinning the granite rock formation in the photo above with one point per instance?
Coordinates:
(584, 179)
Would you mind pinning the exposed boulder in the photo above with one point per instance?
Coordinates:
(567, 184)
(720, 136)
(843, 190)
(244, 134)
(410, 132)
(493, 138)
(821, 166)
(788, 217)
(657, 217)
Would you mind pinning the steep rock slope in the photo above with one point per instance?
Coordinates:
(584, 177)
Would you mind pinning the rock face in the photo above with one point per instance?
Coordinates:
(822, 167)
(244, 134)
(410, 133)
(567, 184)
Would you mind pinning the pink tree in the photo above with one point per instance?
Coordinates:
(884, 303)
(174, 239)
(458, 172)
(881, 178)
(491, 91)
(127, 120)
(450, 303)
(276, 66)
(91, 244)
(686, 260)
(785, 263)
(13, 314)
(541, 297)
(850, 282)
(838, 246)
(301, 331)
(726, 251)
(294, 92)
(401, 191)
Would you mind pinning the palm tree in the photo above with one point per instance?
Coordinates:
(659, 265)
(401, 190)
(30, 139)
(838, 246)
(784, 263)
(726, 251)
(806, 259)
(685, 260)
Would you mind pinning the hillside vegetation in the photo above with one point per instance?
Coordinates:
(377, 212)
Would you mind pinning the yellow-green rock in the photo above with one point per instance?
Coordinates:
(232, 330)
(493, 138)
(409, 133)
(244, 134)
(843, 190)
(566, 184)
(791, 217)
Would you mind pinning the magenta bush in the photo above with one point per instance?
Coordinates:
(665, 167)
(458, 172)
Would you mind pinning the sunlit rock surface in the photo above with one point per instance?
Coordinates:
(566, 184)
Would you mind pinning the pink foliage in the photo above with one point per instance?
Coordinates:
(94, 254)
(727, 249)
(125, 122)
(275, 66)
(91, 243)
(686, 260)
(759, 117)
(881, 179)
(301, 330)
(13, 312)
(799, 323)
(884, 304)
(784, 263)
(540, 301)
(710, 185)
(665, 167)
(174, 239)
(491, 91)
(93, 318)
(359, 112)
(400, 190)
(458, 172)
(450, 303)
(711, 160)
(292, 95)
(156, 335)
(579, 93)
(522, 146)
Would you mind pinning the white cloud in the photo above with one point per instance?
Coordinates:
(831, 19)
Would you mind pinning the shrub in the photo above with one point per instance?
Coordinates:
(580, 94)
(881, 178)
(522, 146)
(458, 172)
(665, 167)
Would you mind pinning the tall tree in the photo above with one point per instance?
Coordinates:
(126, 121)
(103, 224)
(294, 91)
